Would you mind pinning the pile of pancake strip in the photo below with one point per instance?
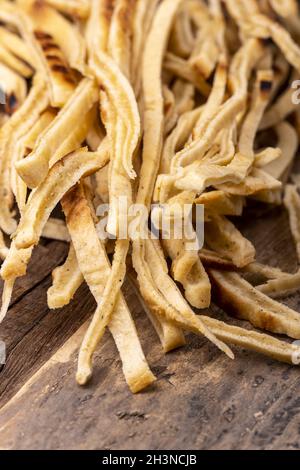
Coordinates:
(164, 104)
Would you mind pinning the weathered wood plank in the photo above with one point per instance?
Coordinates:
(34, 333)
(201, 399)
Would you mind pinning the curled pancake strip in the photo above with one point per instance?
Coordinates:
(34, 168)
(289, 12)
(62, 176)
(122, 98)
(153, 112)
(213, 102)
(59, 75)
(224, 238)
(288, 142)
(251, 52)
(256, 181)
(260, 100)
(178, 138)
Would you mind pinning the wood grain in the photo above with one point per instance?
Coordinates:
(201, 399)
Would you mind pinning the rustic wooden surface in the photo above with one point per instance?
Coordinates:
(201, 400)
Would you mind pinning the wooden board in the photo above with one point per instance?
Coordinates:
(201, 400)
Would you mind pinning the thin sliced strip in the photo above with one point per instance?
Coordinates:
(182, 69)
(163, 296)
(34, 168)
(16, 261)
(238, 297)
(92, 254)
(182, 38)
(253, 23)
(62, 176)
(142, 19)
(214, 100)
(66, 280)
(16, 45)
(260, 100)
(188, 269)
(14, 266)
(268, 272)
(41, 124)
(282, 287)
(261, 26)
(182, 248)
(104, 311)
(289, 11)
(13, 15)
(58, 74)
(115, 83)
(7, 58)
(288, 143)
(76, 137)
(170, 336)
(156, 45)
(14, 128)
(178, 138)
(254, 341)
(119, 41)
